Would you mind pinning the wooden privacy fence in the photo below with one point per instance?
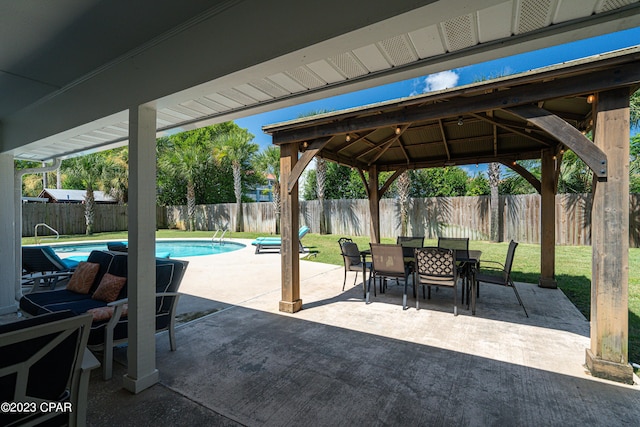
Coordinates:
(431, 217)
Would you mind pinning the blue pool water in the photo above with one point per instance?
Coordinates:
(164, 248)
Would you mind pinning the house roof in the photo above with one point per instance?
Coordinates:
(76, 196)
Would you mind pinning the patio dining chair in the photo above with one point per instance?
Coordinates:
(388, 262)
(436, 267)
(461, 247)
(409, 243)
(352, 261)
(500, 274)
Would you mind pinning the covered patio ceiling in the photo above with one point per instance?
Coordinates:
(67, 86)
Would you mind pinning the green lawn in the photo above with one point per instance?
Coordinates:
(573, 266)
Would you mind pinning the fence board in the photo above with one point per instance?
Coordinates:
(431, 217)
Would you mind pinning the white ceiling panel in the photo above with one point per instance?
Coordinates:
(212, 104)
(532, 15)
(286, 82)
(253, 92)
(194, 105)
(348, 65)
(223, 100)
(608, 5)
(372, 58)
(427, 42)
(325, 71)
(239, 97)
(495, 22)
(306, 77)
(573, 9)
(399, 50)
(460, 32)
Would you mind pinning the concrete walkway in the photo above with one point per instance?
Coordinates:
(342, 362)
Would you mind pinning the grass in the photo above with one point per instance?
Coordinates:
(573, 266)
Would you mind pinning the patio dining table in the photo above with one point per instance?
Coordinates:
(471, 260)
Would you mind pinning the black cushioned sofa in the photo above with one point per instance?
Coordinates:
(106, 333)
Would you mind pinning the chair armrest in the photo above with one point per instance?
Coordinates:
(89, 361)
(496, 263)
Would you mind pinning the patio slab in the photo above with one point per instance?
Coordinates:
(340, 361)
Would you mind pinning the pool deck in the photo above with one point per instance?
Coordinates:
(340, 361)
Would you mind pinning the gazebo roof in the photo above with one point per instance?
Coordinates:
(507, 119)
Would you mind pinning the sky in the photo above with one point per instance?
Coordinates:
(446, 79)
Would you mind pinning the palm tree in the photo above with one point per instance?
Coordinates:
(268, 162)
(235, 145)
(494, 180)
(91, 172)
(404, 186)
(118, 183)
(185, 158)
(321, 179)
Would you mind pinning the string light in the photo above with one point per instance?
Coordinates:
(398, 130)
(348, 138)
(591, 98)
(460, 122)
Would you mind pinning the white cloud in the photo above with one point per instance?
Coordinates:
(442, 80)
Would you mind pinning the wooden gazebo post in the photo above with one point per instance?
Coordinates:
(289, 224)
(548, 222)
(608, 356)
(374, 204)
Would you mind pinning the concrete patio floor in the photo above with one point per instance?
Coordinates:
(342, 362)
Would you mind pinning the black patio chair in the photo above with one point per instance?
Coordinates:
(352, 261)
(436, 267)
(44, 361)
(500, 274)
(388, 262)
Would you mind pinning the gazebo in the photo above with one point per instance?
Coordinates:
(534, 115)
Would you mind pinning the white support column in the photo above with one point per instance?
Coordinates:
(141, 353)
(8, 244)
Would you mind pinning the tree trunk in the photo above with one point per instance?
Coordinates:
(237, 187)
(404, 182)
(89, 211)
(496, 217)
(191, 207)
(321, 178)
(276, 205)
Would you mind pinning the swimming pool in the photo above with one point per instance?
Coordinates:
(172, 248)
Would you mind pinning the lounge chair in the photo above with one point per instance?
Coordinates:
(263, 244)
(41, 266)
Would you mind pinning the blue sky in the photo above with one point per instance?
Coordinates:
(455, 77)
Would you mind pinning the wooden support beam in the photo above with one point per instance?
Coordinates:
(364, 181)
(548, 222)
(444, 139)
(511, 129)
(608, 356)
(528, 176)
(567, 135)
(290, 259)
(311, 151)
(390, 181)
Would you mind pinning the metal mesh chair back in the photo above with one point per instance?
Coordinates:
(388, 260)
(436, 266)
(351, 254)
(510, 254)
(458, 244)
(409, 243)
